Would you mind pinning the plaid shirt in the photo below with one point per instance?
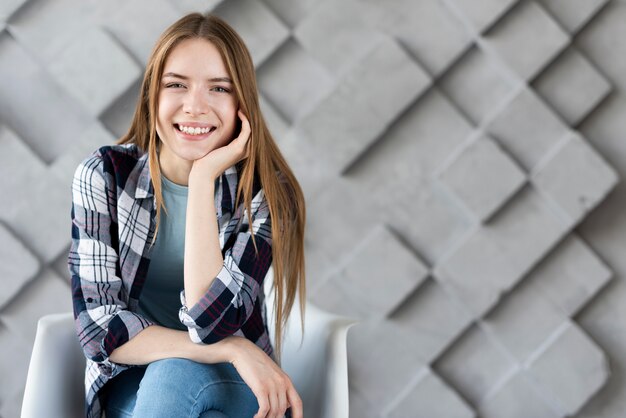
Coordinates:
(113, 223)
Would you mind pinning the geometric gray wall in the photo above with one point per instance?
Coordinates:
(461, 162)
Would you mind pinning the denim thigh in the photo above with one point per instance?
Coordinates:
(180, 388)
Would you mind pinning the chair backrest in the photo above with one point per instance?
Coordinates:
(54, 385)
(317, 364)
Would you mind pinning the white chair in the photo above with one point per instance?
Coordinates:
(318, 367)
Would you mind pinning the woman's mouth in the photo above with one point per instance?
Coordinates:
(194, 132)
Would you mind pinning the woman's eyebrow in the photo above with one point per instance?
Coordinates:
(214, 79)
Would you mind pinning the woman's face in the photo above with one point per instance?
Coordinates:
(197, 106)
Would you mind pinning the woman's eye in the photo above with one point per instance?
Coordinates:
(220, 89)
(174, 85)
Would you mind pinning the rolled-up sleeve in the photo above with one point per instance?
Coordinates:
(230, 299)
(102, 320)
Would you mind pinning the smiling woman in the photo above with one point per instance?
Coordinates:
(197, 107)
(174, 230)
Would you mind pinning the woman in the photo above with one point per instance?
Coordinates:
(173, 232)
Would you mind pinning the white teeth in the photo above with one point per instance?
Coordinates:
(194, 131)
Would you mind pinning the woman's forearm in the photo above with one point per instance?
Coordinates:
(203, 256)
(156, 343)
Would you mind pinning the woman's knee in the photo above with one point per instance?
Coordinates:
(166, 389)
(180, 387)
(183, 379)
(169, 369)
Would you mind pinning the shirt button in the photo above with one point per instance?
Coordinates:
(89, 300)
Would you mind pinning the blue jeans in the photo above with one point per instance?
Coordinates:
(182, 388)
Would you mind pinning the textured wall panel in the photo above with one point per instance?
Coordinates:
(477, 85)
(469, 177)
(16, 263)
(527, 128)
(476, 365)
(461, 162)
(572, 86)
(526, 39)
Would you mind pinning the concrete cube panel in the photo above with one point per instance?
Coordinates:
(573, 14)
(276, 122)
(47, 293)
(469, 177)
(360, 405)
(404, 78)
(8, 7)
(86, 143)
(527, 128)
(18, 163)
(342, 25)
(328, 295)
(17, 265)
(571, 275)
(140, 39)
(352, 117)
(59, 266)
(576, 177)
(382, 360)
(335, 216)
(293, 81)
(517, 398)
(118, 116)
(46, 232)
(190, 6)
(314, 173)
(476, 84)
(434, 318)
(495, 257)
(259, 27)
(30, 92)
(363, 284)
(34, 23)
(527, 38)
(95, 69)
(14, 364)
(291, 11)
(416, 24)
(481, 14)
(603, 42)
(429, 396)
(438, 226)
(418, 142)
(523, 321)
(571, 369)
(572, 86)
(475, 365)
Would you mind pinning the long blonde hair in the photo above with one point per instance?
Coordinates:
(283, 193)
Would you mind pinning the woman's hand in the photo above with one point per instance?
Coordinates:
(269, 383)
(217, 161)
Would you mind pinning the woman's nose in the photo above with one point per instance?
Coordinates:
(196, 102)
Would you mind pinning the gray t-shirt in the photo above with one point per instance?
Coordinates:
(160, 297)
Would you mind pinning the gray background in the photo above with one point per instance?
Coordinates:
(461, 162)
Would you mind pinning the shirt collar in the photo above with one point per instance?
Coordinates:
(227, 181)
